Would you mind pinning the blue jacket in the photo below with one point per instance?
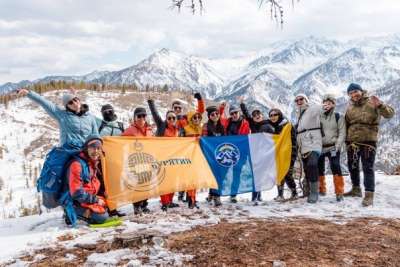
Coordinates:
(74, 129)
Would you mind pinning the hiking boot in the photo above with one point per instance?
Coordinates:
(368, 199)
(354, 192)
(145, 210)
(217, 201)
(279, 198)
(67, 220)
(180, 196)
(209, 198)
(293, 195)
(173, 205)
(306, 188)
(314, 190)
(164, 207)
(136, 210)
(192, 204)
(322, 186)
(339, 198)
(255, 203)
(117, 213)
(233, 199)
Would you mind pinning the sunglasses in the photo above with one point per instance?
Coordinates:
(256, 113)
(108, 111)
(196, 117)
(235, 112)
(171, 118)
(75, 99)
(141, 116)
(177, 108)
(213, 114)
(299, 99)
(273, 115)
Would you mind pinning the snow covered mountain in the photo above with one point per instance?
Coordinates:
(177, 70)
(164, 67)
(370, 68)
(313, 65)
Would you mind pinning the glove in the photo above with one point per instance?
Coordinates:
(197, 96)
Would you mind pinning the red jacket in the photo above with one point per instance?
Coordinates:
(81, 191)
(244, 127)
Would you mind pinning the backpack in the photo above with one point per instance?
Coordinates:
(53, 182)
(120, 127)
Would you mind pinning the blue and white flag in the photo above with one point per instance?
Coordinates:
(248, 163)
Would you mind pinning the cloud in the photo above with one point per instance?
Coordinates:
(46, 37)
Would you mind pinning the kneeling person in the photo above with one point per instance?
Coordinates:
(84, 184)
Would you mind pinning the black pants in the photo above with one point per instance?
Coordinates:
(367, 154)
(289, 180)
(256, 196)
(310, 166)
(334, 163)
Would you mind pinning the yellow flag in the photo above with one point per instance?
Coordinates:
(138, 168)
(283, 152)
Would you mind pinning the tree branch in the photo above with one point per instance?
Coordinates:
(275, 7)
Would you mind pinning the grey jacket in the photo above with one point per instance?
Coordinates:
(334, 132)
(110, 128)
(309, 137)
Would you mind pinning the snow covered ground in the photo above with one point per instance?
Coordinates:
(22, 236)
(26, 134)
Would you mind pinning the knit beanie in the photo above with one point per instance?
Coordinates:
(66, 98)
(303, 96)
(353, 87)
(329, 97)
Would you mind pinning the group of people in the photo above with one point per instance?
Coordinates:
(319, 132)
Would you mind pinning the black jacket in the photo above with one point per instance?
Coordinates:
(256, 127)
(277, 127)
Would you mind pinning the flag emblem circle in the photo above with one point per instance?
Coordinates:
(227, 155)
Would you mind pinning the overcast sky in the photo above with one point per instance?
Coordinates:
(64, 37)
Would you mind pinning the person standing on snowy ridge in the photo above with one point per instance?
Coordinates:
(214, 127)
(277, 121)
(236, 124)
(139, 127)
(109, 126)
(362, 117)
(165, 128)
(334, 129)
(182, 120)
(309, 140)
(75, 122)
(257, 125)
(193, 129)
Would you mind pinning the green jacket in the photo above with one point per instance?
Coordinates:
(362, 120)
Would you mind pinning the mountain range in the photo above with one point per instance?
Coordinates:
(269, 78)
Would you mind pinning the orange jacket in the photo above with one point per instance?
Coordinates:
(135, 130)
(171, 131)
(83, 192)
